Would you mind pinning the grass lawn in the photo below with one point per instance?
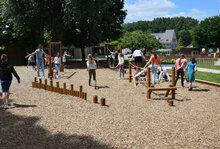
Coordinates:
(207, 76)
(209, 67)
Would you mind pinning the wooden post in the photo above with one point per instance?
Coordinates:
(95, 99)
(51, 85)
(34, 84)
(40, 83)
(57, 87)
(61, 54)
(102, 101)
(71, 89)
(170, 103)
(130, 73)
(148, 83)
(45, 84)
(121, 49)
(173, 82)
(85, 96)
(80, 91)
(173, 76)
(50, 71)
(64, 88)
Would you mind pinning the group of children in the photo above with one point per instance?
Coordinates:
(181, 67)
(55, 61)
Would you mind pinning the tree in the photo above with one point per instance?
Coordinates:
(180, 45)
(138, 40)
(186, 37)
(81, 23)
(206, 34)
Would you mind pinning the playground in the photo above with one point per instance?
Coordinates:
(38, 118)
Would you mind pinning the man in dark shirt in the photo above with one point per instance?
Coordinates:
(6, 71)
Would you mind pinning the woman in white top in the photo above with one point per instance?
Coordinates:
(57, 64)
(91, 67)
(121, 65)
(138, 55)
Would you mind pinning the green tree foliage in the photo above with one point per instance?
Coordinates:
(207, 33)
(138, 39)
(186, 37)
(180, 44)
(81, 23)
(159, 25)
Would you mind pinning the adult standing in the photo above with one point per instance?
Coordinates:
(40, 60)
(179, 67)
(138, 55)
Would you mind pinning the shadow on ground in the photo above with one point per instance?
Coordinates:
(22, 132)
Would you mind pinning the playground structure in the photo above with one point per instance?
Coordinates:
(39, 84)
(150, 88)
(53, 49)
(171, 88)
(108, 50)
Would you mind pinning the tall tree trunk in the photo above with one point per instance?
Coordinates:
(83, 53)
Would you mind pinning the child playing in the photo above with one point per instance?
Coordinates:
(6, 71)
(192, 68)
(91, 67)
(57, 63)
(121, 65)
(96, 59)
(165, 75)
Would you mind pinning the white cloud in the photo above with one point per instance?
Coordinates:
(150, 9)
(194, 13)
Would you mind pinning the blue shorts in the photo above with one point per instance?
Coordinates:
(138, 59)
(5, 85)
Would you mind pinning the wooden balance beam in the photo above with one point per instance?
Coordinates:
(168, 89)
(57, 89)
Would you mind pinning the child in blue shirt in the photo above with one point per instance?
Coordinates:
(192, 68)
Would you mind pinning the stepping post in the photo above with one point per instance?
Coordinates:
(102, 101)
(45, 84)
(57, 87)
(95, 99)
(71, 89)
(64, 88)
(80, 91)
(51, 85)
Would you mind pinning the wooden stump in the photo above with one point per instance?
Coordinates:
(170, 103)
(95, 99)
(102, 101)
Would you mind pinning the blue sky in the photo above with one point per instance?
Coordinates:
(149, 9)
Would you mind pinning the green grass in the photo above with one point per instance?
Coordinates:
(207, 76)
(209, 67)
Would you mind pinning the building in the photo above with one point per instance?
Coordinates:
(168, 38)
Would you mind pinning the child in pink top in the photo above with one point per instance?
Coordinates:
(179, 67)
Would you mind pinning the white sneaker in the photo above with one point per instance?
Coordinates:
(5, 106)
(119, 78)
(185, 81)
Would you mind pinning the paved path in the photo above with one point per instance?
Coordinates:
(208, 70)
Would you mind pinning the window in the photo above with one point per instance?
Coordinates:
(195, 52)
